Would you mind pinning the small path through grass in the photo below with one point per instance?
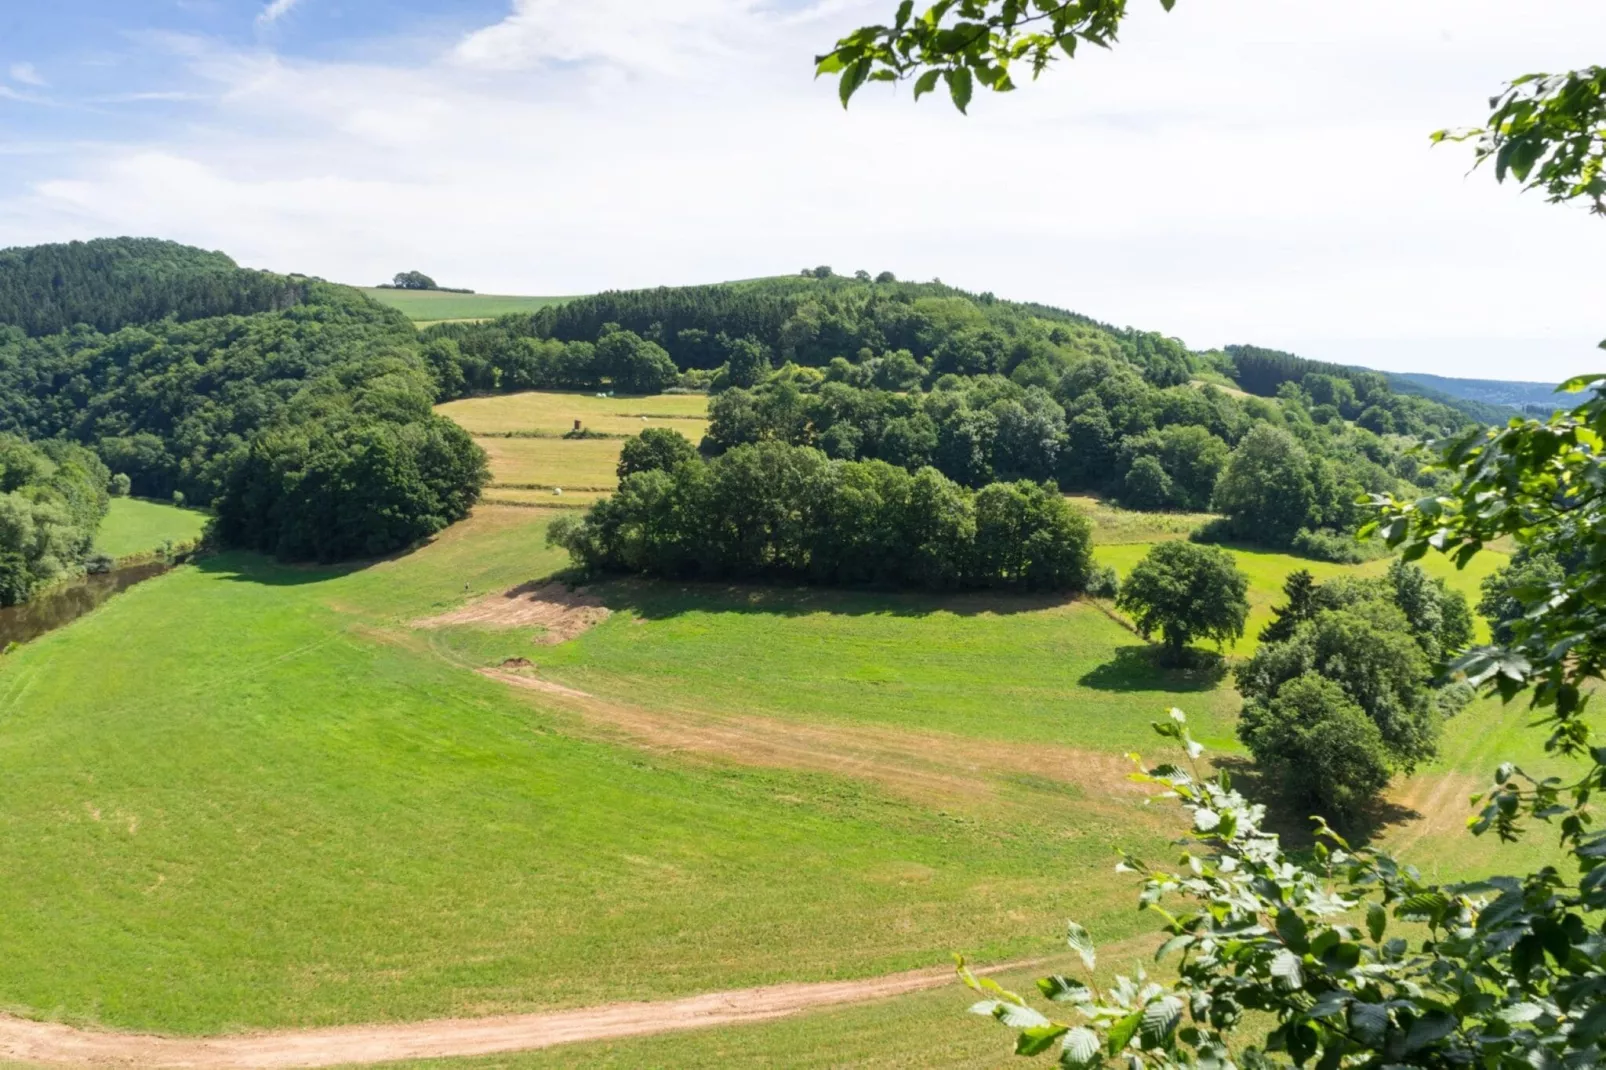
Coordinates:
(48, 1042)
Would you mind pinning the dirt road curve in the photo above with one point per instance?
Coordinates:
(43, 1042)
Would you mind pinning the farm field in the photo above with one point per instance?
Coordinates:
(522, 435)
(424, 307)
(133, 527)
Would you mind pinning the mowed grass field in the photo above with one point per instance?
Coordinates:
(433, 306)
(522, 435)
(132, 528)
(247, 795)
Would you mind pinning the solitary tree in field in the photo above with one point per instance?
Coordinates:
(413, 280)
(1185, 592)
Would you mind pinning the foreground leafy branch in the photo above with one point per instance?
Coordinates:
(965, 43)
(1355, 960)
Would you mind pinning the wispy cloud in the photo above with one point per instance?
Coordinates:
(27, 74)
(275, 11)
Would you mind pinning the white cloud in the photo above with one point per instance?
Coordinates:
(666, 36)
(1257, 172)
(27, 74)
(276, 10)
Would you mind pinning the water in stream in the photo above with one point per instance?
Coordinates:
(51, 609)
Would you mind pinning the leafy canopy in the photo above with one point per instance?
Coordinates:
(964, 43)
(1185, 592)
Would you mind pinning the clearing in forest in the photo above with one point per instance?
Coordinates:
(522, 434)
(432, 306)
(134, 528)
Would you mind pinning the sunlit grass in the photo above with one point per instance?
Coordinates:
(133, 527)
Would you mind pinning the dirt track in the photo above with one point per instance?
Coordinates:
(44, 1042)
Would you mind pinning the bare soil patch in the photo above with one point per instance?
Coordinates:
(562, 612)
(925, 766)
(48, 1042)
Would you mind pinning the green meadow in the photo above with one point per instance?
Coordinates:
(246, 795)
(134, 528)
(434, 306)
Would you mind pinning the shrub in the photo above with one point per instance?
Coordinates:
(1104, 583)
(1333, 546)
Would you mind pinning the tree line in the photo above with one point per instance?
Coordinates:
(776, 511)
(52, 498)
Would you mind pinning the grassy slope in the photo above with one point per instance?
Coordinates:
(133, 527)
(432, 306)
(246, 795)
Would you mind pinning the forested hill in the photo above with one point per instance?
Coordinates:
(1263, 371)
(110, 283)
(1538, 399)
(300, 411)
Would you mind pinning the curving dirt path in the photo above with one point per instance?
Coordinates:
(47, 1042)
(929, 767)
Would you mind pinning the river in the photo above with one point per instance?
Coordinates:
(61, 605)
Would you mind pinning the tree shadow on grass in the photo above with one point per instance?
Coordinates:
(654, 599)
(1137, 668)
(1291, 820)
(242, 566)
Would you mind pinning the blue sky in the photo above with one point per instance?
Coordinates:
(1257, 171)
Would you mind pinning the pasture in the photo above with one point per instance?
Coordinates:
(424, 307)
(135, 528)
(246, 795)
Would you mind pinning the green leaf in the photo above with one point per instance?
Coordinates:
(1369, 1022)
(852, 79)
(1285, 967)
(1121, 1032)
(1160, 1020)
(926, 83)
(960, 86)
(1017, 1016)
(828, 64)
(1064, 990)
(1038, 1039)
(1292, 928)
(1080, 942)
(1081, 1049)
(1432, 1027)
(1377, 921)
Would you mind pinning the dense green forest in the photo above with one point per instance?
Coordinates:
(984, 390)
(266, 417)
(52, 497)
(113, 282)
